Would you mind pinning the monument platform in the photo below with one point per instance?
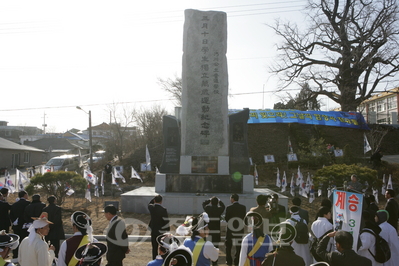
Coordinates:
(137, 200)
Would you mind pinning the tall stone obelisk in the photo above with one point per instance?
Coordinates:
(204, 115)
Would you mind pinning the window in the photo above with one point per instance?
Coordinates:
(392, 103)
(382, 121)
(26, 157)
(381, 106)
(372, 107)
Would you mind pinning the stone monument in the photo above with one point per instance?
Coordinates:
(206, 149)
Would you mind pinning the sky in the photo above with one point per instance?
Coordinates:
(56, 55)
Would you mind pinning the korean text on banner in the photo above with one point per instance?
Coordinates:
(348, 213)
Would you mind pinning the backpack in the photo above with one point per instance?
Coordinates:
(314, 243)
(302, 232)
(382, 250)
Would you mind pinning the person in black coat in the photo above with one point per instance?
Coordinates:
(118, 245)
(5, 207)
(392, 208)
(18, 219)
(159, 222)
(214, 207)
(34, 209)
(345, 256)
(56, 229)
(235, 214)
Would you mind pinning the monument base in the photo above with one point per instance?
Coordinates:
(202, 183)
(187, 203)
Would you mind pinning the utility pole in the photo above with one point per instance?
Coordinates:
(44, 123)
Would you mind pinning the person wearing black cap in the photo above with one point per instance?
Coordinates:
(18, 219)
(56, 229)
(82, 235)
(90, 254)
(117, 238)
(345, 256)
(284, 254)
(256, 244)
(8, 242)
(166, 242)
(204, 252)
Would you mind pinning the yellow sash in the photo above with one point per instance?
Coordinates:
(2, 262)
(257, 245)
(84, 241)
(197, 250)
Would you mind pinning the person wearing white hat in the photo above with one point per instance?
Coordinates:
(83, 234)
(8, 242)
(204, 252)
(256, 244)
(34, 251)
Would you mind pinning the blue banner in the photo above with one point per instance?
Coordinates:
(336, 119)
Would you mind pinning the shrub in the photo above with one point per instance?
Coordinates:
(54, 183)
(338, 173)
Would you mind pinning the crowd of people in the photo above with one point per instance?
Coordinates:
(265, 235)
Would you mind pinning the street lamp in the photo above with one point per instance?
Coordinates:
(90, 137)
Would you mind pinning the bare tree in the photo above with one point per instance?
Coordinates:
(173, 86)
(349, 47)
(122, 131)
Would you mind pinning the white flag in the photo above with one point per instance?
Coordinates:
(102, 183)
(307, 185)
(89, 176)
(256, 175)
(156, 170)
(80, 159)
(290, 146)
(311, 191)
(278, 183)
(383, 188)
(319, 192)
(118, 175)
(8, 183)
(136, 175)
(147, 159)
(283, 183)
(375, 193)
(96, 193)
(21, 180)
(366, 144)
(389, 185)
(88, 194)
(299, 178)
(292, 186)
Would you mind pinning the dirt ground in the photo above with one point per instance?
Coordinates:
(137, 224)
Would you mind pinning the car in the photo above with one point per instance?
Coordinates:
(62, 163)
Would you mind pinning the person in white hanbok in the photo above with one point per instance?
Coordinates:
(299, 249)
(389, 233)
(367, 238)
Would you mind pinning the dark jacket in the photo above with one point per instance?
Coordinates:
(17, 211)
(346, 258)
(304, 214)
(214, 212)
(159, 222)
(235, 212)
(285, 255)
(34, 209)
(55, 216)
(117, 244)
(5, 221)
(392, 208)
